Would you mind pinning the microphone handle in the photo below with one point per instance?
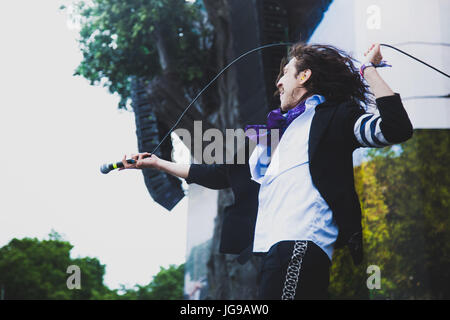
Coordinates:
(106, 168)
(119, 164)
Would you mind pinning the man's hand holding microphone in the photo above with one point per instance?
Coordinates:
(143, 160)
(147, 160)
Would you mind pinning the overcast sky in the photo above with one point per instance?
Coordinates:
(56, 130)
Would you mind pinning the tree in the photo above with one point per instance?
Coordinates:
(166, 43)
(416, 187)
(34, 269)
(166, 285)
(404, 192)
(348, 281)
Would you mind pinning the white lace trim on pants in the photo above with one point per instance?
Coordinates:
(293, 271)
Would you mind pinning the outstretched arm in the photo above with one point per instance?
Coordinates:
(146, 160)
(213, 176)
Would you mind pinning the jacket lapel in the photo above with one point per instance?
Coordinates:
(322, 116)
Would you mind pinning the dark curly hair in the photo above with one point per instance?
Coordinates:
(333, 74)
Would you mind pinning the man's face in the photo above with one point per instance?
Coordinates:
(290, 86)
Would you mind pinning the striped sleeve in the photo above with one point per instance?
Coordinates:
(368, 132)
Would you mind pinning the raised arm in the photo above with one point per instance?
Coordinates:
(377, 85)
(393, 124)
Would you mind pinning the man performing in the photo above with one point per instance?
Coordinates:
(295, 213)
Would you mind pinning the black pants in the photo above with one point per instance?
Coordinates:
(294, 270)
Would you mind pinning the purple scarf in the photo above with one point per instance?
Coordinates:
(275, 120)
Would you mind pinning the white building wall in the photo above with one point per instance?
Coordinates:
(353, 25)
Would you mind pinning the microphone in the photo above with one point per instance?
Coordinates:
(106, 168)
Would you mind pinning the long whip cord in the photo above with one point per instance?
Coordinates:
(260, 48)
(411, 56)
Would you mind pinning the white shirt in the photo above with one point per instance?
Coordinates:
(290, 206)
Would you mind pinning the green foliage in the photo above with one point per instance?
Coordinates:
(404, 195)
(166, 285)
(417, 187)
(119, 39)
(34, 269)
(346, 280)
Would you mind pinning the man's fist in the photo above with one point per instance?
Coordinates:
(374, 54)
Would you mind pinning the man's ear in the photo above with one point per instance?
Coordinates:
(305, 75)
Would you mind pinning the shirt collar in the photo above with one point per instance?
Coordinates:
(313, 101)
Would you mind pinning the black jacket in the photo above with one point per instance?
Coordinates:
(331, 145)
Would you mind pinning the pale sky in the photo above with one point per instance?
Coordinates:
(56, 130)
